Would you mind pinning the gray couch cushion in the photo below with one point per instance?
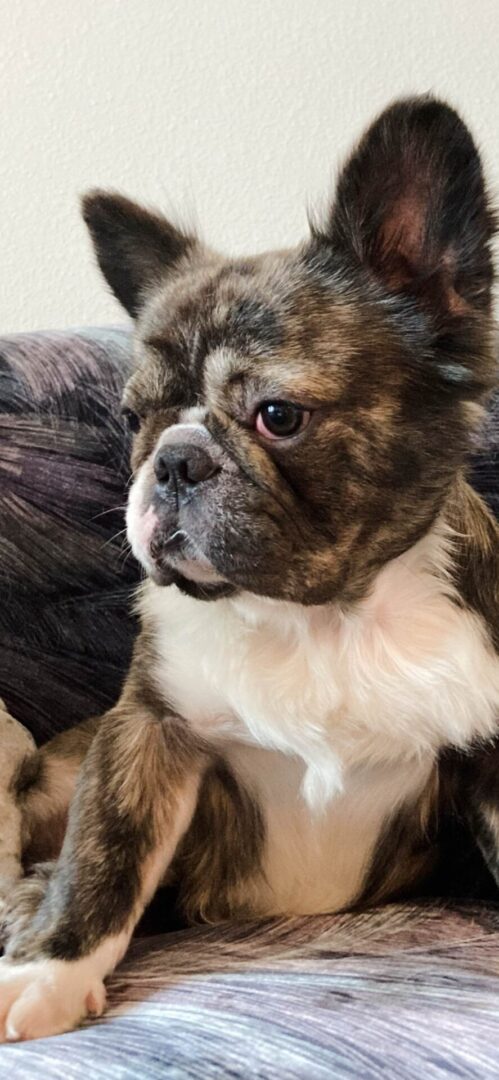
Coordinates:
(393, 994)
(65, 574)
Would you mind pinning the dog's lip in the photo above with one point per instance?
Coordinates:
(177, 540)
(169, 543)
(196, 570)
(175, 550)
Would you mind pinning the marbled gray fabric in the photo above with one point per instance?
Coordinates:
(65, 575)
(397, 993)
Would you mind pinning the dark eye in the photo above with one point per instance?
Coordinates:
(280, 419)
(132, 419)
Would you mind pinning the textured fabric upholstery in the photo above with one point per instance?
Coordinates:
(65, 574)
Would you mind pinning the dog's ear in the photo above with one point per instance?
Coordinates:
(135, 248)
(411, 208)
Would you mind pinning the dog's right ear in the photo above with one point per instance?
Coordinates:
(135, 248)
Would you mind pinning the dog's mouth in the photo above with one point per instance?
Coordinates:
(167, 550)
(177, 559)
(178, 552)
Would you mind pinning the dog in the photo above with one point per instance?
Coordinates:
(312, 706)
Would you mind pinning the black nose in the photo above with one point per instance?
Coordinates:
(182, 466)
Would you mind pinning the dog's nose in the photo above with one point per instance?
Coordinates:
(182, 466)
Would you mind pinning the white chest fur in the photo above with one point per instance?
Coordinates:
(332, 717)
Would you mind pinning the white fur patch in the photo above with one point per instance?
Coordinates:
(362, 697)
(139, 522)
(316, 862)
(47, 997)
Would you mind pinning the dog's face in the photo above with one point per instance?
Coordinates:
(299, 416)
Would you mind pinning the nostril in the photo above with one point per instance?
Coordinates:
(162, 469)
(197, 468)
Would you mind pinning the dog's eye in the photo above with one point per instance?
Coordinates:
(132, 419)
(280, 419)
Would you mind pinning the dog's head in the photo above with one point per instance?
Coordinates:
(299, 416)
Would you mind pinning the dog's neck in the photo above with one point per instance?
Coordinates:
(397, 676)
(429, 558)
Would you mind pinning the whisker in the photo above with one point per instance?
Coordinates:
(115, 537)
(124, 556)
(178, 532)
(112, 510)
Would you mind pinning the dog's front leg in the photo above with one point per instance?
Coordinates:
(134, 800)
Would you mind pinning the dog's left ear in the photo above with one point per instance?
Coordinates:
(411, 208)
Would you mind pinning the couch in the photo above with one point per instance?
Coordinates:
(397, 992)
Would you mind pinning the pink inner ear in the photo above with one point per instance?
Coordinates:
(403, 239)
(406, 257)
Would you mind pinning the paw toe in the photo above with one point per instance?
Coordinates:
(45, 997)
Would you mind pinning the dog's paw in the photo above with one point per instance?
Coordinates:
(46, 997)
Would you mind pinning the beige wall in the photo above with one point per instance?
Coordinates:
(235, 112)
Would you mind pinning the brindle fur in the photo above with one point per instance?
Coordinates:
(45, 784)
(381, 324)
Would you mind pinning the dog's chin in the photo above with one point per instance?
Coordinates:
(193, 577)
(206, 591)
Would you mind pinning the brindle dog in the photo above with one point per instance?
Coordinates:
(312, 705)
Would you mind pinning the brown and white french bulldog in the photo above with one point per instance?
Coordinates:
(314, 695)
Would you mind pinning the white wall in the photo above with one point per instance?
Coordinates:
(235, 112)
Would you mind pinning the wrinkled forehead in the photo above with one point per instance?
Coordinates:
(265, 327)
(219, 314)
(234, 309)
(238, 304)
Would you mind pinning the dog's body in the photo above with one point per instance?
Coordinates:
(331, 719)
(315, 690)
